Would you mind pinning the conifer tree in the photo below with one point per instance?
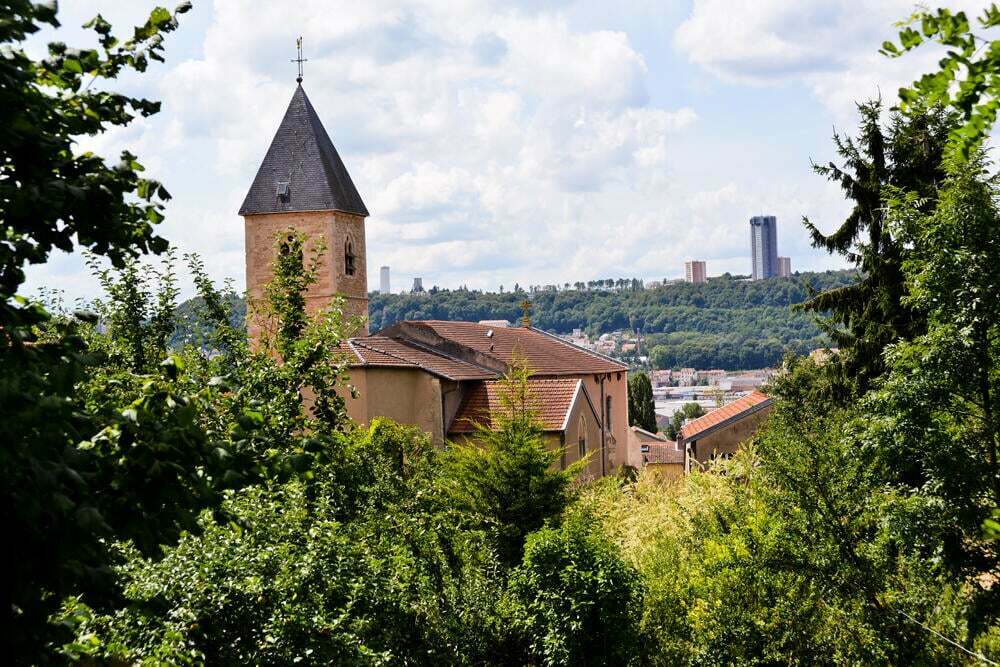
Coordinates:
(641, 408)
(905, 156)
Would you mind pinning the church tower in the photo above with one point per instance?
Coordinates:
(303, 184)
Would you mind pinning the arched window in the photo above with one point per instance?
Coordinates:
(582, 436)
(349, 258)
(286, 246)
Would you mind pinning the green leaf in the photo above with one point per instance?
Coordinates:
(159, 16)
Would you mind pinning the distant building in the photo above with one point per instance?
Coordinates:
(722, 431)
(694, 271)
(654, 452)
(501, 324)
(764, 246)
(784, 267)
(383, 280)
(822, 355)
(418, 285)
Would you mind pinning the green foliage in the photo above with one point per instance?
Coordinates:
(52, 197)
(968, 77)
(299, 573)
(574, 598)
(934, 425)
(641, 408)
(904, 157)
(504, 477)
(687, 411)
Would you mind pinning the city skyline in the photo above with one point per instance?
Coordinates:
(607, 139)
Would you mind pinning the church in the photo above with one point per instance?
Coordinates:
(439, 376)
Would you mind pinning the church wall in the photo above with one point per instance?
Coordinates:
(406, 395)
(616, 386)
(593, 432)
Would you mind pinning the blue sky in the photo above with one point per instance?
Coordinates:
(523, 142)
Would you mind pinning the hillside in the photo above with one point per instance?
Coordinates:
(726, 322)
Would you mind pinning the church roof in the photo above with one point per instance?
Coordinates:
(302, 170)
(379, 351)
(498, 347)
(550, 399)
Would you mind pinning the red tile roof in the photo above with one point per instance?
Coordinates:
(546, 354)
(663, 452)
(752, 402)
(387, 352)
(551, 400)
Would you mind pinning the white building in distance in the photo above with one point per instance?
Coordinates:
(694, 271)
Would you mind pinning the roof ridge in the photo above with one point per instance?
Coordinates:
(490, 354)
(439, 353)
(350, 345)
(388, 354)
(578, 347)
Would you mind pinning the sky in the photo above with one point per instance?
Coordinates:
(497, 143)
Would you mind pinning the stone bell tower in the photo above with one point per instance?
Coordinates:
(303, 184)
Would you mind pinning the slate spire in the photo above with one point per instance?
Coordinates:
(302, 170)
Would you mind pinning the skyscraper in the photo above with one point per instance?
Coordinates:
(764, 246)
(383, 280)
(694, 271)
(784, 266)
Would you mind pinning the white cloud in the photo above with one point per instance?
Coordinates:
(492, 144)
(832, 47)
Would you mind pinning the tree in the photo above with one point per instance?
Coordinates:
(505, 475)
(688, 411)
(641, 408)
(867, 316)
(574, 599)
(54, 197)
(933, 418)
(968, 76)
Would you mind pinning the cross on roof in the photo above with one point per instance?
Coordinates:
(300, 59)
(526, 316)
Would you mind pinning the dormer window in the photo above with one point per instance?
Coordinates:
(349, 266)
(284, 191)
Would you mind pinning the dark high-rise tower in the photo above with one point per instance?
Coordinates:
(764, 246)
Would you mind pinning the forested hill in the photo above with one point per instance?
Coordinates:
(726, 322)
(668, 308)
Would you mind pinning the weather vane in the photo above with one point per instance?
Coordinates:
(300, 59)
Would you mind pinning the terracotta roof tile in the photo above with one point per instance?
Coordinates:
(387, 352)
(551, 399)
(545, 353)
(751, 401)
(663, 452)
